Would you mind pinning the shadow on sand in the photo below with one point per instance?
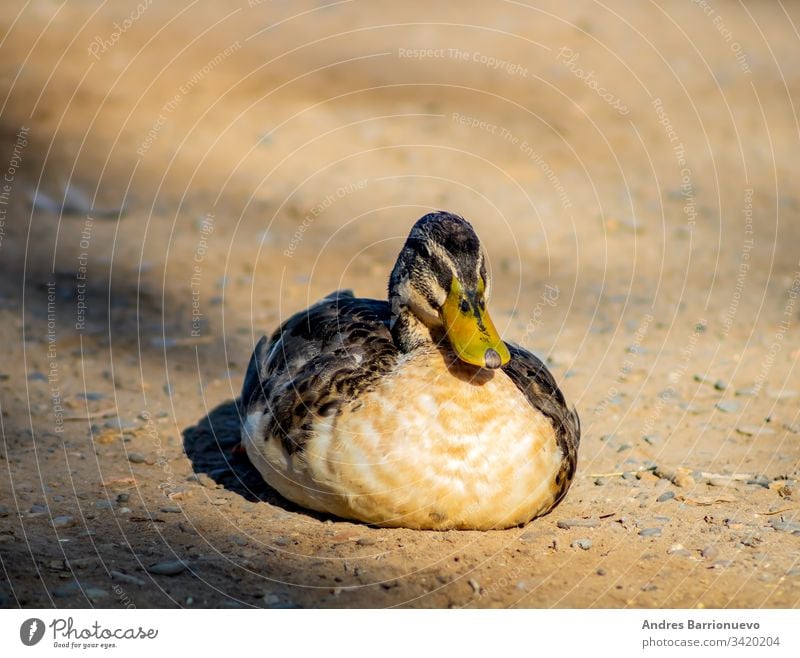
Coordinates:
(211, 447)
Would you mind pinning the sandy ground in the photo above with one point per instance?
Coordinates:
(632, 170)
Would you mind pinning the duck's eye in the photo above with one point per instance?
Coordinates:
(464, 306)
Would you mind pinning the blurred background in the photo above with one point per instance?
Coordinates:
(181, 176)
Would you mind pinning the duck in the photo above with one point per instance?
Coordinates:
(411, 411)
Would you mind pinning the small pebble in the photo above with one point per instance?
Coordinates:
(281, 541)
(82, 563)
(650, 532)
(720, 385)
(723, 481)
(786, 526)
(63, 591)
(710, 552)
(721, 564)
(63, 521)
(127, 578)
(204, 480)
(529, 537)
(37, 508)
(119, 423)
(601, 481)
(239, 540)
(92, 397)
(754, 430)
(136, 458)
(793, 573)
(601, 572)
(171, 509)
(123, 497)
(168, 568)
(95, 593)
(271, 600)
(666, 473)
(583, 544)
(4, 511)
(652, 439)
(760, 480)
(475, 585)
(667, 495)
(728, 406)
(566, 524)
(104, 504)
(348, 534)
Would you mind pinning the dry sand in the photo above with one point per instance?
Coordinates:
(632, 170)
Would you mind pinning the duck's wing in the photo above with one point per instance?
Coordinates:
(315, 362)
(537, 384)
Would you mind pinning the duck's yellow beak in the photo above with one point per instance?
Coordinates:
(470, 329)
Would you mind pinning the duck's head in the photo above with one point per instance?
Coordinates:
(440, 286)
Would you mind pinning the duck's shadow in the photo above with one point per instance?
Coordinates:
(211, 446)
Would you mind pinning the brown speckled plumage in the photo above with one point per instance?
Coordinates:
(535, 381)
(316, 361)
(361, 408)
